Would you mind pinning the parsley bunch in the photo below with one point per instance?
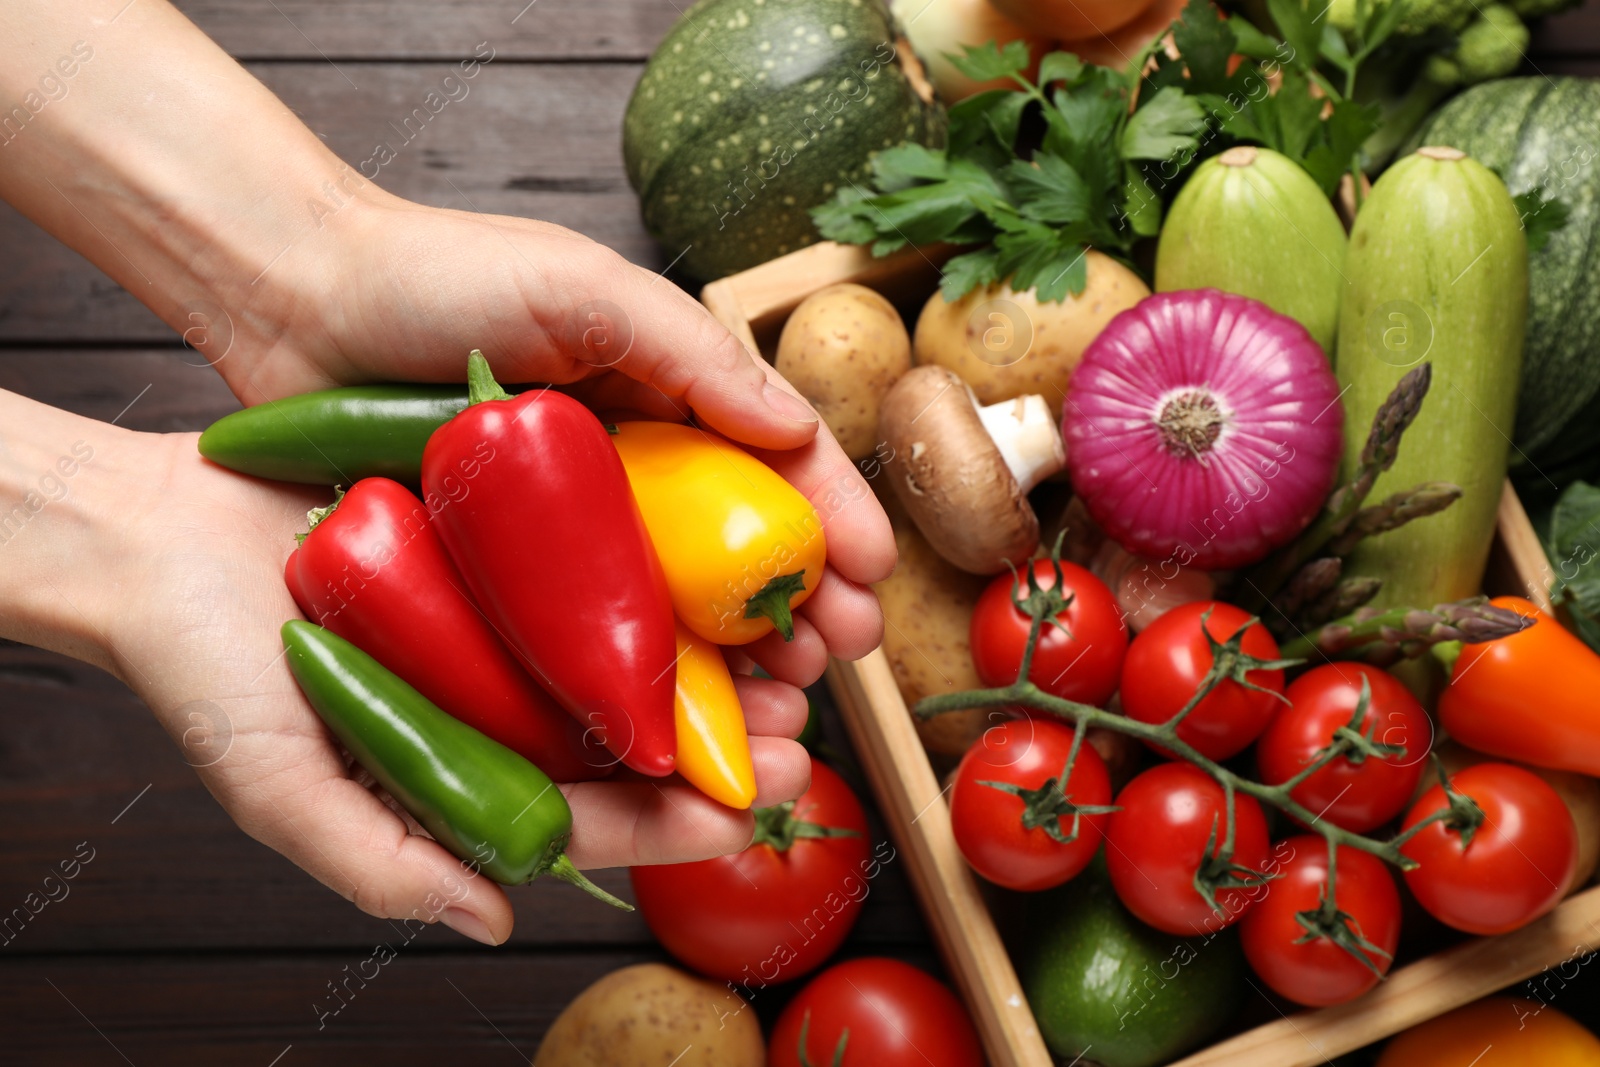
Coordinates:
(1114, 147)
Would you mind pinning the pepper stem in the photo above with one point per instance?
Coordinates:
(773, 602)
(563, 869)
(481, 385)
(316, 515)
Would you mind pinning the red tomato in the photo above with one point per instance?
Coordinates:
(1319, 972)
(896, 1015)
(1156, 842)
(1518, 864)
(1358, 796)
(1079, 658)
(766, 914)
(1166, 662)
(988, 821)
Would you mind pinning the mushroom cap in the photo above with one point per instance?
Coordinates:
(950, 476)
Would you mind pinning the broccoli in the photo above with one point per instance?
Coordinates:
(1434, 51)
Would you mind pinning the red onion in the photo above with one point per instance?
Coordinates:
(1203, 428)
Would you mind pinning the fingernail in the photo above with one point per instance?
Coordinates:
(787, 404)
(467, 924)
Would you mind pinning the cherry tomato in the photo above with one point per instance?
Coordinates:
(1518, 863)
(1319, 972)
(895, 1015)
(1078, 658)
(769, 913)
(1156, 841)
(988, 822)
(1167, 661)
(1358, 796)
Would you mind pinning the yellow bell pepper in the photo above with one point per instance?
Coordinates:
(713, 747)
(740, 546)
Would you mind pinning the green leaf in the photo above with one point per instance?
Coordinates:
(1141, 205)
(1251, 42)
(1067, 273)
(1205, 40)
(986, 62)
(967, 272)
(1048, 189)
(1574, 549)
(840, 219)
(1059, 66)
(1540, 217)
(1341, 137)
(1167, 125)
(905, 164)
(1299, 24)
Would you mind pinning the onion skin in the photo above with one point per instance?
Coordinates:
(1203, 428)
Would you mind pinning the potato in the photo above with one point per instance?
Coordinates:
(927, 609)
(651, 1015)
(843, 348)
(1006, 344)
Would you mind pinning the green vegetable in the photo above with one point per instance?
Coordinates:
(1574, 550)
(1106, 987)
(748, 114)
(337, 436)
(1035, 216)
(1437, 269)
(1251, 222)
(482, 801)
(1543, 135)
(1439, 46)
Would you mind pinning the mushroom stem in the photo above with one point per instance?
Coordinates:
(1027, 437)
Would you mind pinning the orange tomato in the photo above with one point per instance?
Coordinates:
(1117, 47)
(1495, 1032)
(1069, 19)
(936, 27)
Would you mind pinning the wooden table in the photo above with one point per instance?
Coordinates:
(183, 941)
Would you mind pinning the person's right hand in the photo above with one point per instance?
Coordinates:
(395, 291)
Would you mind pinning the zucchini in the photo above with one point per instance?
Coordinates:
(1437, 270)
(1252, 222)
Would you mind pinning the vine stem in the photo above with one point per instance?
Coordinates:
(1025, 694)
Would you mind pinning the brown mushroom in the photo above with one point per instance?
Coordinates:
(963, 471)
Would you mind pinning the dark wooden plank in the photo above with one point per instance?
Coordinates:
(1571, 33)
(433, 29)
(548, 29)
(420, 1007)
(539, 141)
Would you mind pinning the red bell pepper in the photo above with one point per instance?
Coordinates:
(534, 507)
(373, 571)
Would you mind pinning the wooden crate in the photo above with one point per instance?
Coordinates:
(754, 305)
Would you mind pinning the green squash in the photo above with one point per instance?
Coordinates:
(1438, 271)
(1252, 222)
(1542, 131)
(752, 112)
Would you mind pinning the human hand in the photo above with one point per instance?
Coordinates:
(192, 628)
(401, 292)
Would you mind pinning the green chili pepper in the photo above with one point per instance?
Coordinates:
(485, 803)
(337, 436)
